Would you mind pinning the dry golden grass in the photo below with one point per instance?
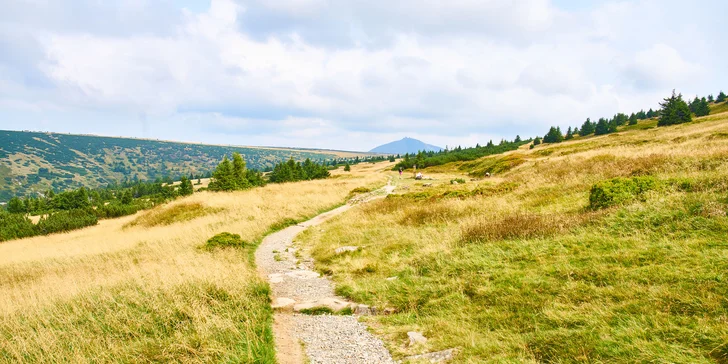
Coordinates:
(76, 296)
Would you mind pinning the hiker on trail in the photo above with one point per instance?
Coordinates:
(400, 171)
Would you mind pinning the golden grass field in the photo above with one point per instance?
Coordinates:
(517, 268)
(138, 289)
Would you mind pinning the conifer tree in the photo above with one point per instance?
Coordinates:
(602, 127)
(569, 134)
(674, 111)
(651, 114)
(553, 136)
(587, 128)
(185, 187)
(633, 119)
(710, 98)
(223, 178)
(537, 141)
(518, 139)
(347, 167)
(239, 172)
(721, 97)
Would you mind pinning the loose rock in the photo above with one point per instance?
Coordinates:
(416, 338)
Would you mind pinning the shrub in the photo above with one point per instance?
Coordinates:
(619, 190)
(66, 221)
(15, 226)
(224, 240)
(173, 214)
(115, 209)
(457, 180)
(360, 190)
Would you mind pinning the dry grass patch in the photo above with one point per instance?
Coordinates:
(168, 215)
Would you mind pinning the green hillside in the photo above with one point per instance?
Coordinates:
(33, 162)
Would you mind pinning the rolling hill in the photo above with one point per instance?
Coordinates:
(406, 145)
(32, 162)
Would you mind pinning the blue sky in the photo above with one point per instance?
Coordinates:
(348, 74)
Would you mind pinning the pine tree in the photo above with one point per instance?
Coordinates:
(347, 167)
(703, 108)
(710, 98)
(587, 128)
(553, 136)
(16, 206)
(239, 172)
(674, 111)
(602, 127)
(223, 178)
(641, 115)
(537, 141)
(569, 134)
(651, 114)
(633, 119)
(185, 187)
(721, 97)
(518, 139)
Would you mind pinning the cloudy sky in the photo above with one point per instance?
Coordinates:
(348, 74)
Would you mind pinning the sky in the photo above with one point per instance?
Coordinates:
(348, 75)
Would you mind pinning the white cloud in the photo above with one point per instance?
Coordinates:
(349, 75)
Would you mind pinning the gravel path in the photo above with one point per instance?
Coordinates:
(326, 338)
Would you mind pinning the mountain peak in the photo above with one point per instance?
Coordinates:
(403, 146)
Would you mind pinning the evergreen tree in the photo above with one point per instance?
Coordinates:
(518, 139)
(569, 134)
(185, 187)
(602, 127)
(576, 131)
(633, 119)
(347, 167)
(587, 128)
(710, 98)
(641, 115)
(223, 178)
(721, 97)
(537, 141)
(553, 136)
(674, 111)
(16, 206)
(651, 114)
(703, 108)
(694, 105)
(126, 197)
(239, 172)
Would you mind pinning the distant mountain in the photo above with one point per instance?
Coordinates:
(406, 145)
(32, 162)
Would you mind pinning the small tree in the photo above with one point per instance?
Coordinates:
(710, 98)
(587, 128)
(518, 139)
(347, 167)
(569, 134)
(721, 97)
(553, 136)
(126, 197)
(16, 206)
(674, 111)
(633, 119)
(185, 187)
(537, 141)
(602, 127)
(223, 178)
(239, 172)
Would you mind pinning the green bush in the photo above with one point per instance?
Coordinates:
(224, 240)
(457, 180)
(115, 209)
(619, 190)
(67, 221)
(15, 226)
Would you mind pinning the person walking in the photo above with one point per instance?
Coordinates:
(400, 172)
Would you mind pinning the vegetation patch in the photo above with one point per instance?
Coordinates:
(173, 214)
(493, 165)
(224, 240)
(522, 225)
(617, 191)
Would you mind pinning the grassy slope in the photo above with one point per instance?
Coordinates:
(145, 292)
(522, 271)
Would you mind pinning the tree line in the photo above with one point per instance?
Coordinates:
(673, 110)
(424, 159)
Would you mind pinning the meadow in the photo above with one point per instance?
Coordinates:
(522, 267)
(143, 289)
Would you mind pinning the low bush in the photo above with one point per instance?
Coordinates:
(360, 190)
(15, 226)
(66, 221)
(617, 191)
(116, 209)
(457, 180)
(224, 240)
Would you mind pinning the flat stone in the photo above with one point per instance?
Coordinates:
(275, 278)
(282, 303)
(364, 310)
(302, 274)
(346, 249)
(334, 304)
(392, 278)
(416, 338)
(435, 357)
